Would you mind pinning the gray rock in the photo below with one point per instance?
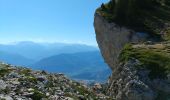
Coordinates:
(68, 98)
(6, 97)
(3, 85)
(137, 90)
(54, 97)
(41, 78)
(14, 75)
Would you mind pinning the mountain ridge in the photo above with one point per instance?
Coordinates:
(36, 51)
(75, 64)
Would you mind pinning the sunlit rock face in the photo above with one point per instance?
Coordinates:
(111, 39)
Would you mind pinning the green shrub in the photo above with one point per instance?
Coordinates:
(82, 90)
(3, 71)
(6, 91)
(31, 79)
(49, 84)
(25, 72)
(38, 95)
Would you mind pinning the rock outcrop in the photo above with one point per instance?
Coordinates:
(126, 82)
(111, 39)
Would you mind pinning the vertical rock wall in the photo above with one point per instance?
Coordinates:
(124, 84)
(111, 39)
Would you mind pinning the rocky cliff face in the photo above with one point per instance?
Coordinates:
(127, 82)
(111, 39)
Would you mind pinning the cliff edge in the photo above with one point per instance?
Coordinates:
(137, 53)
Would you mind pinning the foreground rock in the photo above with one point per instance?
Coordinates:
(18, 83)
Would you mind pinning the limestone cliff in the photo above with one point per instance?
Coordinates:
(129, 81)
(111, 39)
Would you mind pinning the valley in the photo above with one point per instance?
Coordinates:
(78, 61)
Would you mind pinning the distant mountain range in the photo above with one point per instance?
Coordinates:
(76, 60)
(37, 51)
(85, 65)
(15, 59)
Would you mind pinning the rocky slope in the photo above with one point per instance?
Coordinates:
(141, 70)
(18, 83)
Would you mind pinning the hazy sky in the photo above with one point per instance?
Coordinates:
(68, 21)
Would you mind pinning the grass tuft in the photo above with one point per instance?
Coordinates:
(157, 62)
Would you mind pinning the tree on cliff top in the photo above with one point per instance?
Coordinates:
(127, 10)
(142, 15)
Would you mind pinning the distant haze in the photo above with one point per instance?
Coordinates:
(75, 60)
(37, 51)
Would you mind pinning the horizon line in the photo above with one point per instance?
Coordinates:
(47, 42)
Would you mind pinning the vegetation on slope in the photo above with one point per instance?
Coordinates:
(140, 15)
(3, 70)
(158, 62)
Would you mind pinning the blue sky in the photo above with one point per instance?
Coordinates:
(69, 21)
